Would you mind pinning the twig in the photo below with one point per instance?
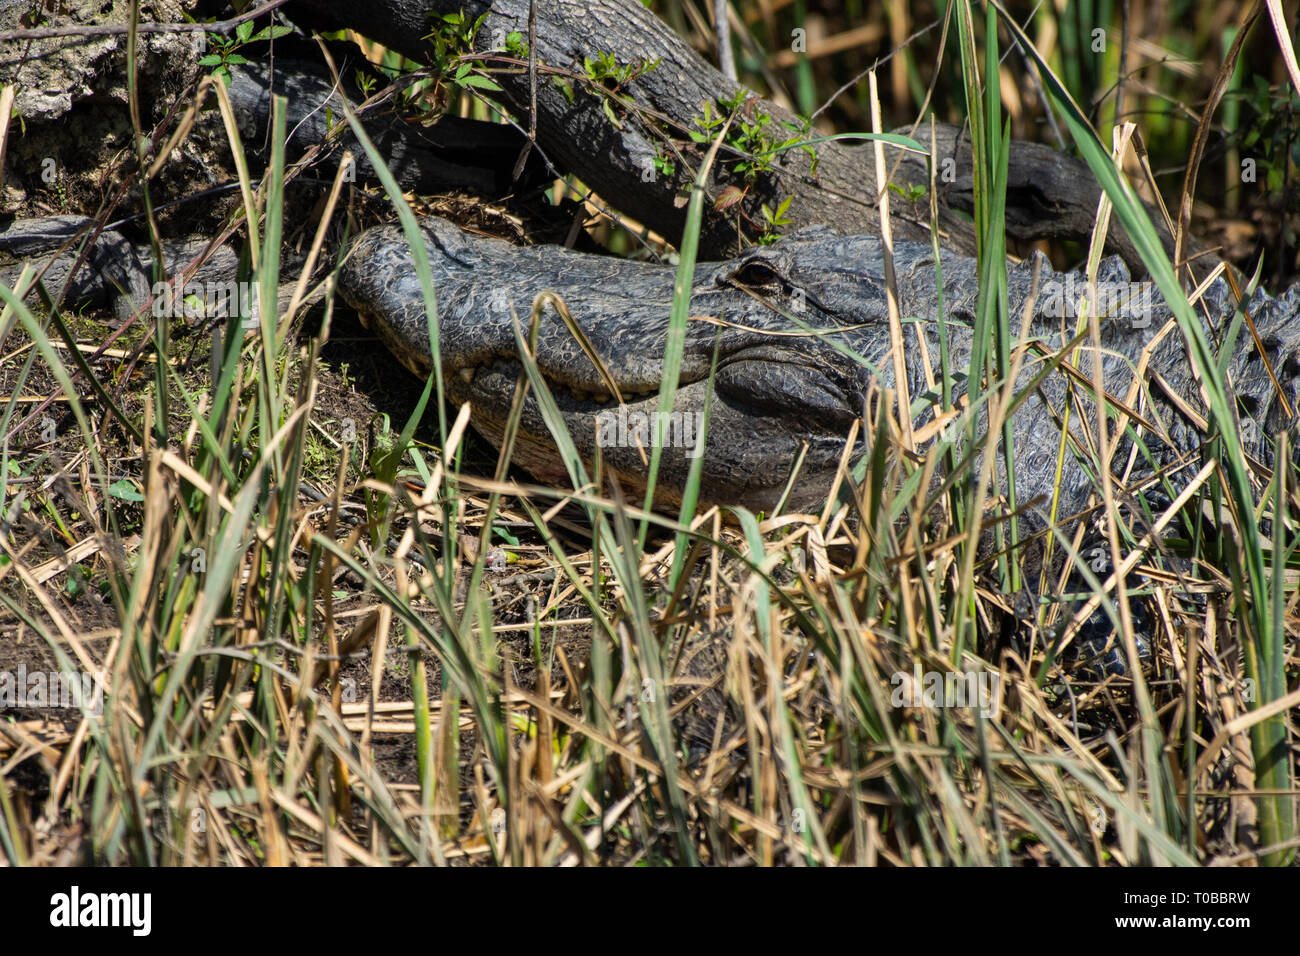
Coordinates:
(110, 30)
(726, 62)
(6, 110)
(531, 142)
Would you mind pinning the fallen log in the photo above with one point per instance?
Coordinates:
(610, 133)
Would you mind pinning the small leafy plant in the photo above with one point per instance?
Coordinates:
(609, 73)
(453, 49)
(516, 45)
(606, 72)
(913, 192)
(224, 49)
(774, 222)
(754, 135)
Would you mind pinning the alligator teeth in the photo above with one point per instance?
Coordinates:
(467, 375)
(581, 396)
(600, 398)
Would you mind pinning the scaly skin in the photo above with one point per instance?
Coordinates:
(773, 392)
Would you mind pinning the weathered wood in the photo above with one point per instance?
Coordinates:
(578, 136)
(1050, 194)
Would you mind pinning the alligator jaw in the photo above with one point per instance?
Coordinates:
(734, 471)
(748, 451)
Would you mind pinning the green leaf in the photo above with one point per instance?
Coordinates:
(505, 536)
(125, 490)
(480, 82)
(272, 32)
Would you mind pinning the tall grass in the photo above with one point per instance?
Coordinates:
(239, 600)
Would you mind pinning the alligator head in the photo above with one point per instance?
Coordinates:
(776, 388)
(796, 334)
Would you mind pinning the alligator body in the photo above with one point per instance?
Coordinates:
(776, 387)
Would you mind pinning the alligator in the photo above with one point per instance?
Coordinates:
(801, 335)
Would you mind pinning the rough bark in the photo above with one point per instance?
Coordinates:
(1049, 195)
(454, 154)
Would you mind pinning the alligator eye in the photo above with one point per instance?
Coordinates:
(757, 273)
